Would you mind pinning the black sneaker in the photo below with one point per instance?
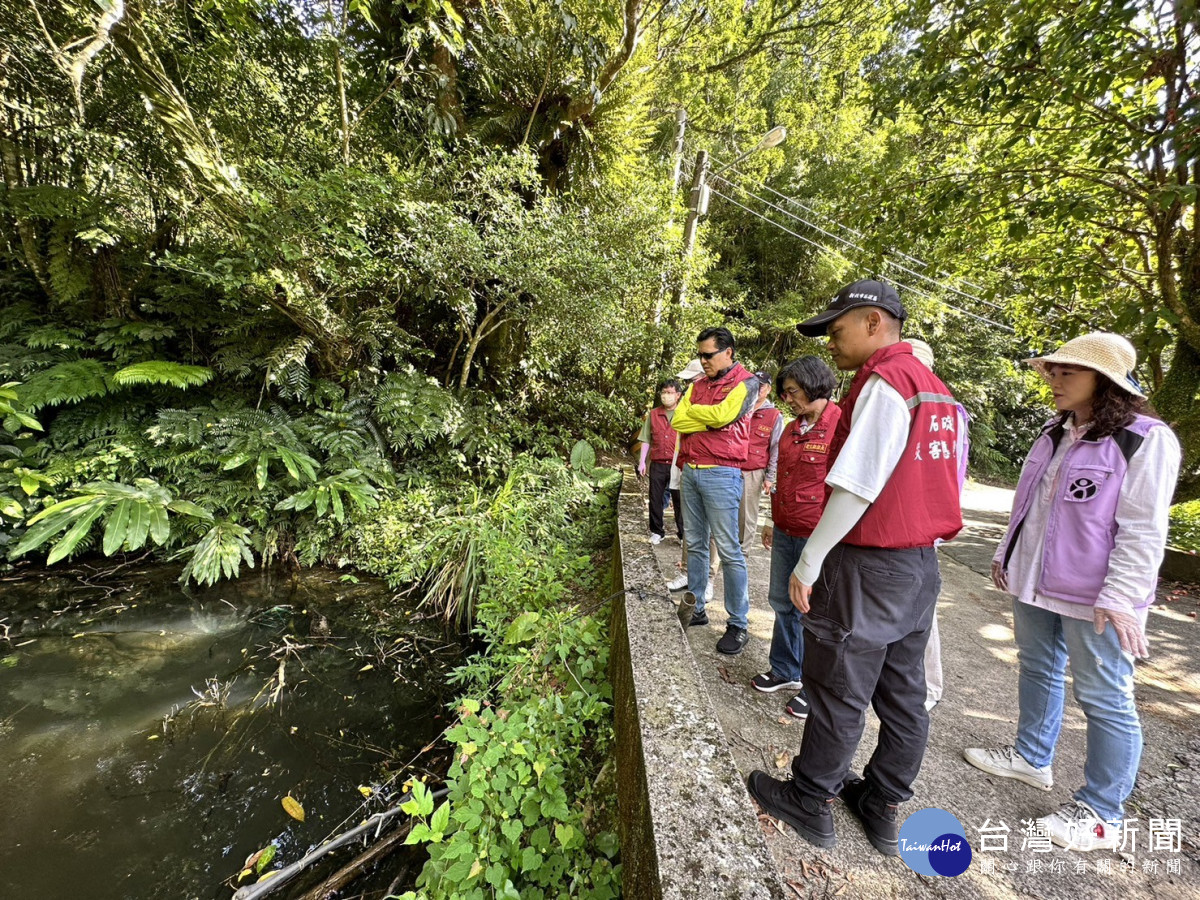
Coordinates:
(810, 816)
(698, 618)
(797, 707)
(733, 641)
(768, 683)
(878, 817)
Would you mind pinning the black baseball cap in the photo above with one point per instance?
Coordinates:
(867, 292)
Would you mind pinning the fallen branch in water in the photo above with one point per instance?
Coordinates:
(354, 868)
(282, 876)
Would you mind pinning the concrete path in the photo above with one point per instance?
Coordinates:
(979, 709)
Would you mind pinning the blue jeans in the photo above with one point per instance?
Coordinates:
(787, 637)
(1103, 685)
(711, 498)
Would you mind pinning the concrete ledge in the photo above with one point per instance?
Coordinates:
(688, 826)
(1179, 565)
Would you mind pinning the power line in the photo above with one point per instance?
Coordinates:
(918, 291)
(856, 233)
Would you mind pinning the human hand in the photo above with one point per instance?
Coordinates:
(999, 576)
(1128, 628)
(768, 536)
(768, 487)
(641, 469)
(799, 593)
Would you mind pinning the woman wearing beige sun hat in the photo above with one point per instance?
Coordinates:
(1081, 558)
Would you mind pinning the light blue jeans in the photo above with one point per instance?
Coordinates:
(1102, 676)
(711, 498)
(787, 637)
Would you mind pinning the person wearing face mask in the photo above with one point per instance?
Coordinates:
(1080, 557)
(867, 581)
(805, 385)
(658, 440)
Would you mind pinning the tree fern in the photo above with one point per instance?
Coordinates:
(67, 382)
(177, 375)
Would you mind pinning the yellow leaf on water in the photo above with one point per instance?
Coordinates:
(292, 807)
(367, 668)
(270, 874)
(365, 791)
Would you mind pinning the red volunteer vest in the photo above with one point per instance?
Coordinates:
(662, 436)
(803, 463)
(762, 426)
(725, 446)
(920, 502)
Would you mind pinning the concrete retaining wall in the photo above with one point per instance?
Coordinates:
(688, 826)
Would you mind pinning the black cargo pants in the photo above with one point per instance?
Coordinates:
(864, 643)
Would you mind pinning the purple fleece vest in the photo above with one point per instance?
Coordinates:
(1082, 526)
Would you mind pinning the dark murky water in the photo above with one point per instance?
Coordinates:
(146, 740)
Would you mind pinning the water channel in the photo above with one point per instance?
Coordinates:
(148, 735)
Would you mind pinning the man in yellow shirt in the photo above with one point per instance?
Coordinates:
(714, 420)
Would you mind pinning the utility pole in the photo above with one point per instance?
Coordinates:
(697, 206)
(680, 130)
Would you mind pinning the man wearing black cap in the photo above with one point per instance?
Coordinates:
(868, 579)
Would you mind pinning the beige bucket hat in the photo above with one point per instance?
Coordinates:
(1109, 354)
(922, 351)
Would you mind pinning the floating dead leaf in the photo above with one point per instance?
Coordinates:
(292, 807)
(364, 790)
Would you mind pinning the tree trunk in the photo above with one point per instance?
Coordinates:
(1176, 403)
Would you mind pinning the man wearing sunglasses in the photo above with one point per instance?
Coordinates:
(714, 420)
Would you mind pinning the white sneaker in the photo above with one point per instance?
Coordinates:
(1008, 763)
(677, 584)
(656, 539)
(1077, 827)
(708, 592)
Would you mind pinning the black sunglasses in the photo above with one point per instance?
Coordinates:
(711, 355)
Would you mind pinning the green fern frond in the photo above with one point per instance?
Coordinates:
(67, 382)
(177, 375)
(220, 552)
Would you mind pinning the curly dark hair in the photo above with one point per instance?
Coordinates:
(1113, 408)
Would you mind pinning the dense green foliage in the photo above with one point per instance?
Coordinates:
(1185, 526)
(529, 811)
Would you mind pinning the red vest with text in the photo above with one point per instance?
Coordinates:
(762, 426)
(920, 502)
(799, 493)
(724, 446)
(662, 436)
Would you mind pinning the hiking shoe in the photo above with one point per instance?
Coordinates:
(1076, 826)
(733, 641)
(797, 707)
(656, 538)
(768, 683)
(708, 592)
(1008, 763)
(811, 817)
(677, 584)
(700, 618)
(878, 817)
